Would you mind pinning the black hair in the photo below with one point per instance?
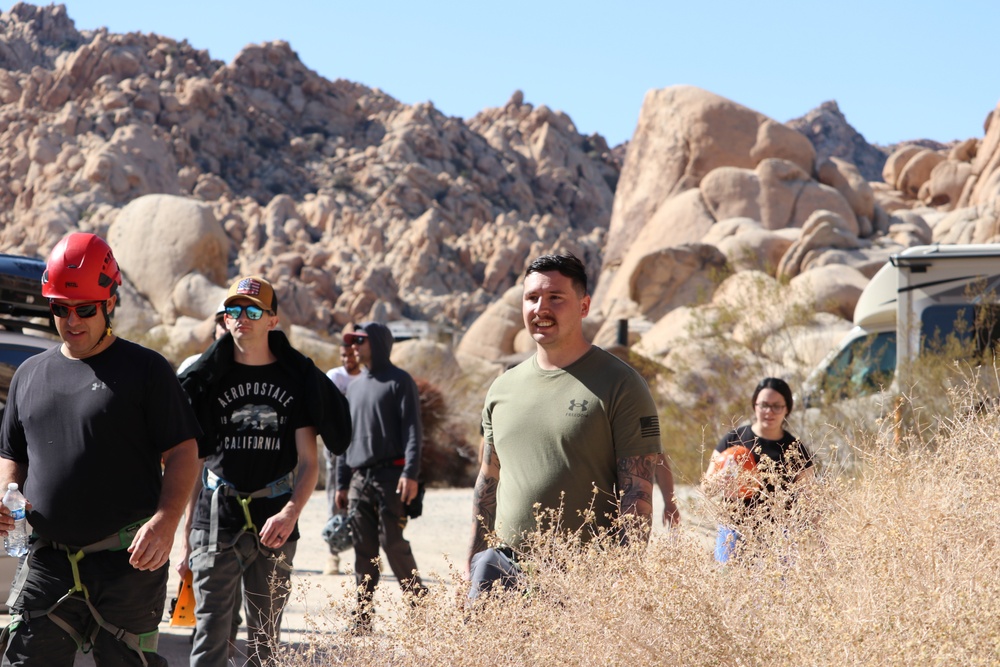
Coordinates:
(568, 265)
(778, 385)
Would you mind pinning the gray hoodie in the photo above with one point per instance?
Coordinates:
(385, 413)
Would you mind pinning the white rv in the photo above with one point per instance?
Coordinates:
(937, 298)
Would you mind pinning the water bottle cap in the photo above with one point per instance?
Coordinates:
(12, 486)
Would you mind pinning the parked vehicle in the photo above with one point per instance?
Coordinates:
(26, 329)
(939, 299)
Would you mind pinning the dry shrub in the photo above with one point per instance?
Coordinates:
(447, 458)
(897, 563)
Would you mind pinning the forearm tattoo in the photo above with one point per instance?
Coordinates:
(635, 479)
(484, 502)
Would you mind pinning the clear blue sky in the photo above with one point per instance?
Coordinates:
(899, 70)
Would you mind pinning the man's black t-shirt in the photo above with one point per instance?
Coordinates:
(91, 432)
(256, 411)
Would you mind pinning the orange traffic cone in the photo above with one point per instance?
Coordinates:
(183, 614)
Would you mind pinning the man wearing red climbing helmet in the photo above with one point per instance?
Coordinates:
(81, 278)
(86, 427)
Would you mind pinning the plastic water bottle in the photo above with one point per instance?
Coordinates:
(16, 542)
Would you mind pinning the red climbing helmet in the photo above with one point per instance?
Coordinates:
(81, 267)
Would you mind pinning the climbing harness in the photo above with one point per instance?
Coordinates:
(141, 643)
(221, 488)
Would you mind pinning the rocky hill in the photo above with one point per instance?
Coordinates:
(831, 134)
(360, 207)
(356, 205)
(737, 250)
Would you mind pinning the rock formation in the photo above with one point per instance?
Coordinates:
(718, 226)
(733, 249)
(833, 137)
(355, 205)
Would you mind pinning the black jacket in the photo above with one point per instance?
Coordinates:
(326, 406)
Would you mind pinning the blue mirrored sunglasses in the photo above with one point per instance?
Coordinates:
(253, 312)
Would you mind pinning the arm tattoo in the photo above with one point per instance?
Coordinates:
(635, 485)
(484, 501)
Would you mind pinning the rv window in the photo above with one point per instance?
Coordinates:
(865, 366)
(972, 328)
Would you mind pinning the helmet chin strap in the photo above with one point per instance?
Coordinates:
(107, 326)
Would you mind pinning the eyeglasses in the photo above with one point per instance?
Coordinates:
(253, 312)
(354, 339)
(82, 310)
(771, 407)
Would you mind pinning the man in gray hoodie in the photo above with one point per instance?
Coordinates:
(377, 476)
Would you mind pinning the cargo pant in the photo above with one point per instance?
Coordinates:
(266, 585)
(378, 521)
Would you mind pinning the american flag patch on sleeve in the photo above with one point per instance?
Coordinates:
(649, 427)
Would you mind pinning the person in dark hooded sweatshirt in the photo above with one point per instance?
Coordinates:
(377, 476)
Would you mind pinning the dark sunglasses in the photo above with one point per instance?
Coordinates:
(253, 312)
(354, 339)
(82, 310)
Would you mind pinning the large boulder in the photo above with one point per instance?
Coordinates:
(779, 194)
(747, 245)
(753, 305)
(674, 328)
(732, 192)
(829, 289)
(848, 181)
(491, 335)
(944, 187)
(817, 197)
(972, 224)
(896, 162)
(426, 359)
(683, 133)
(680, 220)
(867, 260)
(824, 229)
(985, 165)
(917, 171)
(680, 276)
(160, 239)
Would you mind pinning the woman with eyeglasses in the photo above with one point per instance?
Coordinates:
(749, 480)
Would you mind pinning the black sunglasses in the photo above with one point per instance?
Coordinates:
(253, 312)
(354, 339)
(82, 310)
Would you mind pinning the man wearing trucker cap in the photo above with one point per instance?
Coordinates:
(261, 404)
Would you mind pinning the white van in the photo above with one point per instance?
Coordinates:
(924, 298)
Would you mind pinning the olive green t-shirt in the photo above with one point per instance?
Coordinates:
(562, 432)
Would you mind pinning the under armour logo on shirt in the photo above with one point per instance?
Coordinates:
(574, 404)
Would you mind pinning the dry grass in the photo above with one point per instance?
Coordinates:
(896, 562)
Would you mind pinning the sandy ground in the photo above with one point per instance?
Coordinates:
(439, 539)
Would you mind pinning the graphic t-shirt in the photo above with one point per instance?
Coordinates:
(256, 411)
(559, 434)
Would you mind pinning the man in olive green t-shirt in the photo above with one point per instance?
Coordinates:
(572, 427)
